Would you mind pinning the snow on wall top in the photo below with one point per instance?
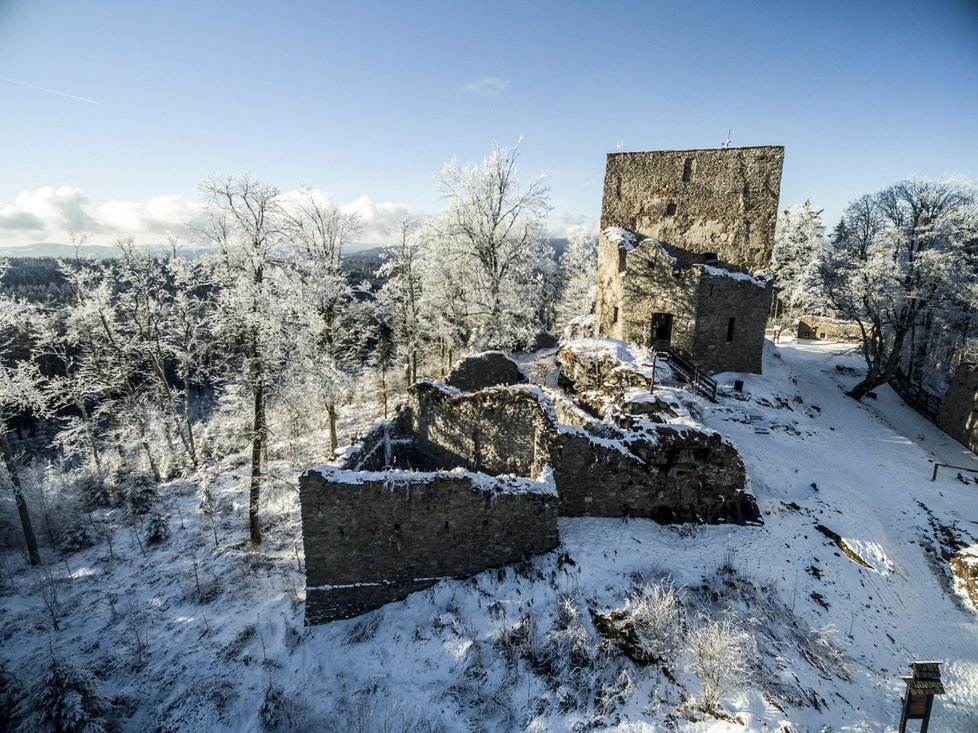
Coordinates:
(396, 479)
(712, 271)
(622, 237)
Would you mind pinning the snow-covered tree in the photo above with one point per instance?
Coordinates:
(578, 276)
(18, 393)
(244, 219)
(496, 248)
(400, 299)
(331, 321)
(799, 250)
(900, 257)
(65, 698)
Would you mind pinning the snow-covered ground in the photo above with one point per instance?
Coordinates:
(201, 633)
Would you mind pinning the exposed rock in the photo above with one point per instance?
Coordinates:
(489, 369)
(964, 565)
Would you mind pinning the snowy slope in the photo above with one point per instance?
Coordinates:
(201, 633)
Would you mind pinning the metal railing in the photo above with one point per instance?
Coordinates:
(695, 377)
(924, 402)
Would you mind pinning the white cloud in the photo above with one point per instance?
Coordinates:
(50, 213)
(161, 215)
(379, 218)
(34, 213)
(487, 86)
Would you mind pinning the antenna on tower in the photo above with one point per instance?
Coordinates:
(621, 144)
(726, 143)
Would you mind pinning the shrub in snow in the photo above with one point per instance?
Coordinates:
(138, 491)
(8, 694)
(567, 651)
(655, 613)
(63, 698)
(281, 711)
(158, 529)
(720, 658)
(78, 537)
(94, 490)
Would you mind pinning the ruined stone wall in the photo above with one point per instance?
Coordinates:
(722, 298)
(670, 475)
(608, 298)
(714, 200)
(958, 415)
(816, 327)
(496, 431)
(373, 538)
(653, 286)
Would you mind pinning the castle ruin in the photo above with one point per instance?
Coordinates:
(684, 234)
(459, 482)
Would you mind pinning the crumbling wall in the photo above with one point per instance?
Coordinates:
(668, 475)
(488, 369)
(715, 200)
(958, 414)
(371, 538)
(732, 314)
(829, 329)
(495, 431)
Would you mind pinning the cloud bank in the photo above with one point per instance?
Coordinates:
(53, 213)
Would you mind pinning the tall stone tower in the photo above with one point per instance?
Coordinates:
(682, 233)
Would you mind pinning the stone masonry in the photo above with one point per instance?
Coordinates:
(372, 538)
(680, 231)
(460, 482)
(958, 415)
(722, 200)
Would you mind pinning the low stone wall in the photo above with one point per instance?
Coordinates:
(669, 475)
(827, 329)
(374, 537)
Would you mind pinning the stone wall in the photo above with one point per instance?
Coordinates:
(372, 538)
(829, 329)
(722, 346)
(669, 475)
(716, 200)
(702, 299)
(495, 431)
(958, 416)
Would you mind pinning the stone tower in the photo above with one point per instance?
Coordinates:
(682, 233)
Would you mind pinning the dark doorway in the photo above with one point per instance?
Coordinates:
(660, 330)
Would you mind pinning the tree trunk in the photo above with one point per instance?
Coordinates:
(25, 517)
(333, 442)
(257, 449)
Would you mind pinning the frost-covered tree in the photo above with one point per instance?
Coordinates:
(578, 276)
(64, 698)
(331, 321)
(244, 218)
(493, 229)
(800, 248)
(400, 299)
(18, 393)
(899, 258)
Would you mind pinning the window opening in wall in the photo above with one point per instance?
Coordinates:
(671, 209)
(688, 170)
(730, 330)
(614, 315)
(660, 330)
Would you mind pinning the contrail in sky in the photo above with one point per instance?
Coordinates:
(50, 91)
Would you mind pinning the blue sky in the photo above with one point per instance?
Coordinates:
(112, 112)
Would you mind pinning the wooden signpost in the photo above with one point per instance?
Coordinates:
(921, 688)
